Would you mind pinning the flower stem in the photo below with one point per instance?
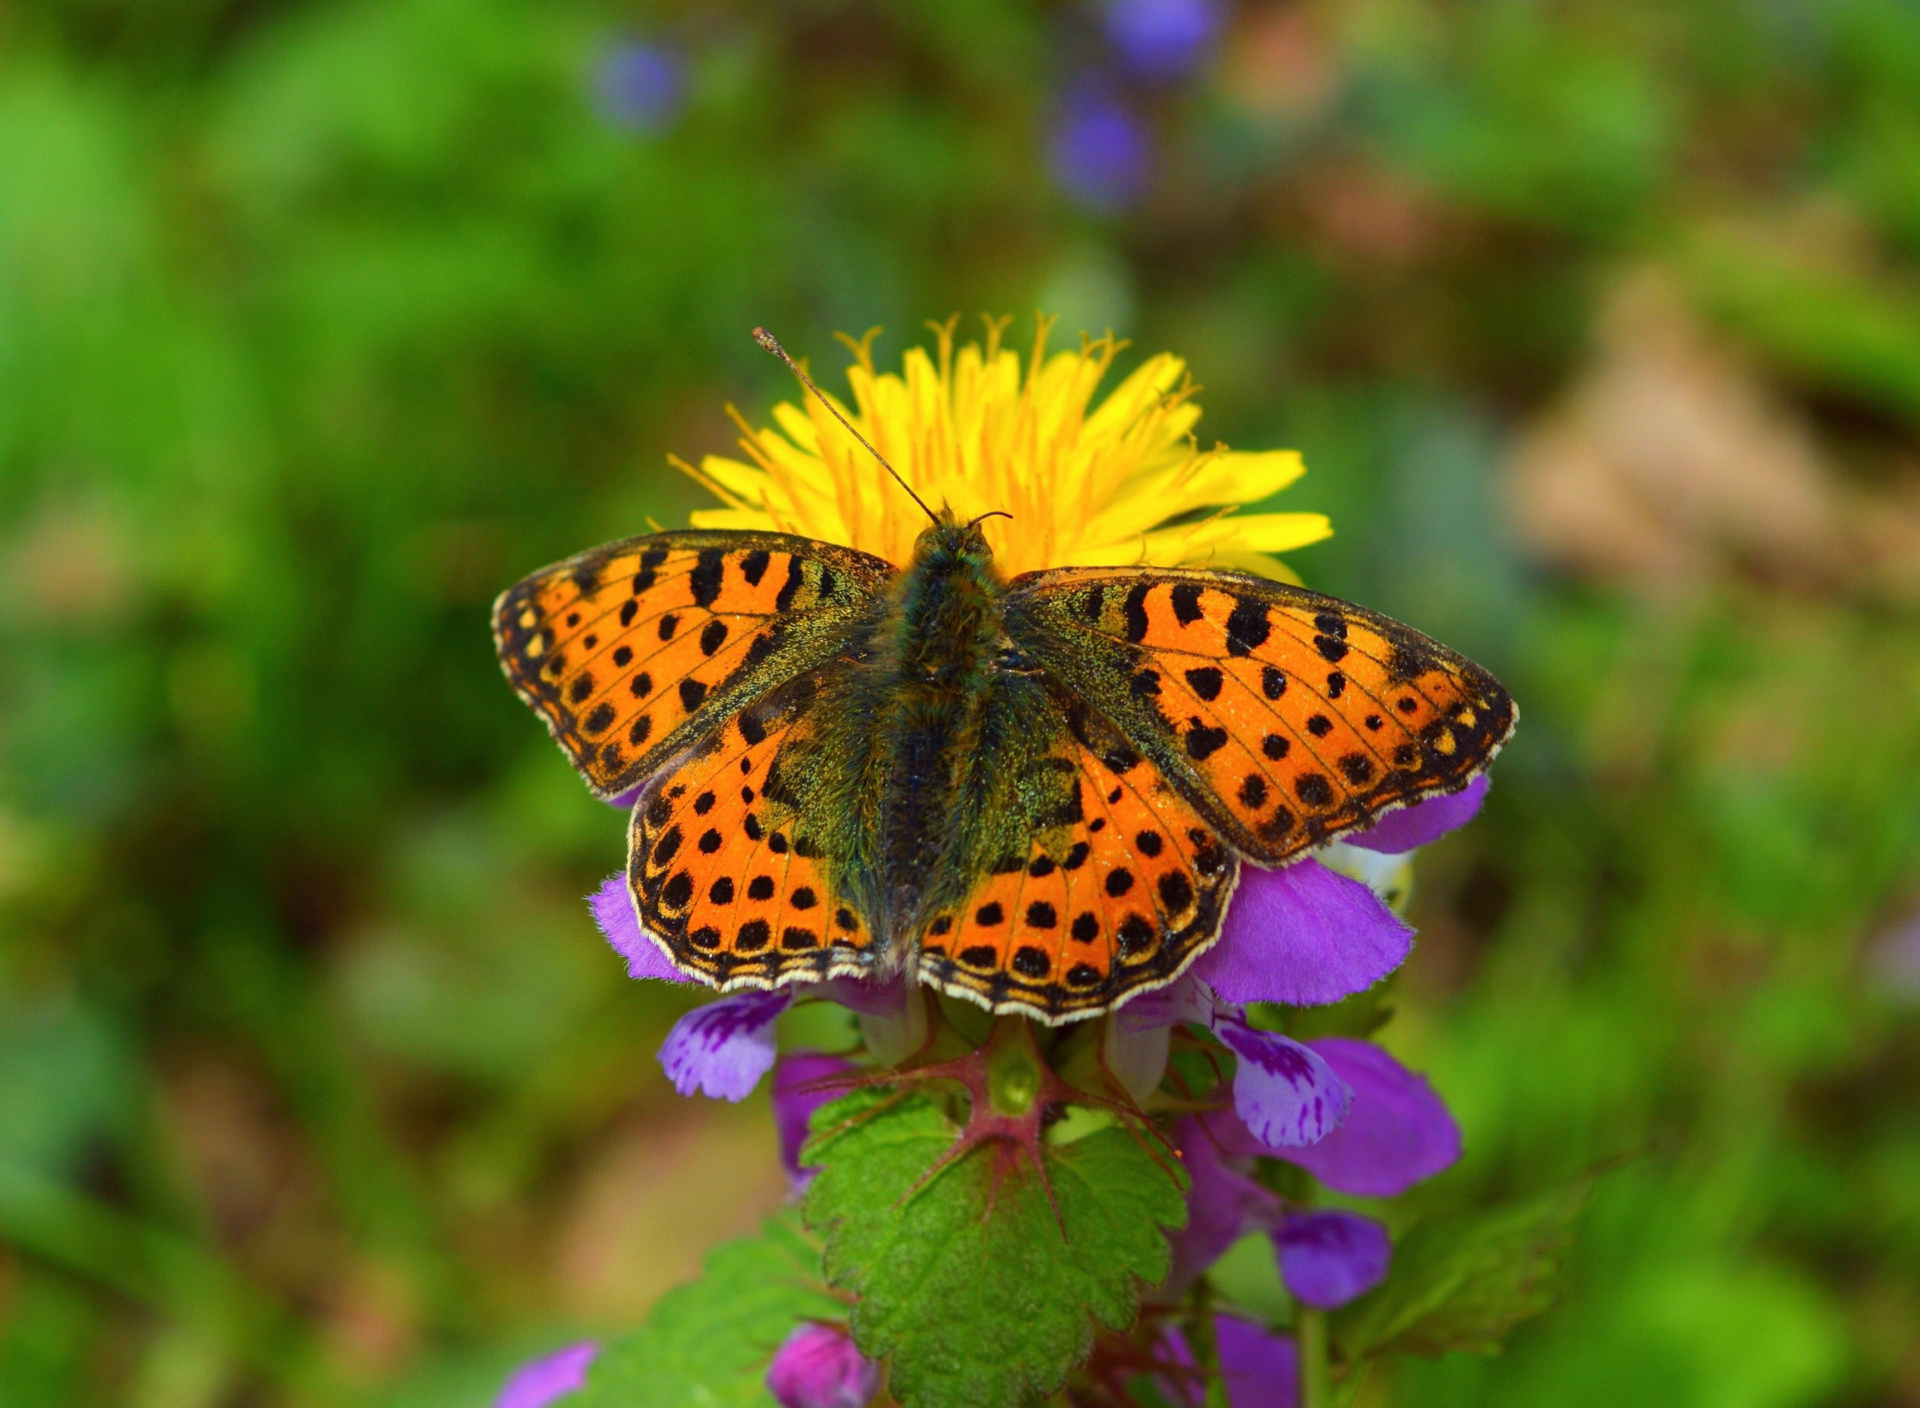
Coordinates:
(1205, 1347)
(1310, 1332)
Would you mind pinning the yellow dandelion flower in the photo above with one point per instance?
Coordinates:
(1121, 483)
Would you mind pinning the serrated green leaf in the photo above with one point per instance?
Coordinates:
(709, 1342)
(967, 1286)
(1461, 1282)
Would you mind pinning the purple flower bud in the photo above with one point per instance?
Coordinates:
(1261, 1369)
(613, 911)
(1287, 1094)
(642, 86)
(1329, 1258)
(548, 1379)
(794, 1103)
(724, 1048)
(1397, 1133)
(1100, 152)
(818, 1367)
(1304, 936)
(1415, 826)
(1162, 40)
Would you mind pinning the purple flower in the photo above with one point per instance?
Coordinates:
(642, 86)
(548, 1379)
(1304, 936)
(794, 1103)
(1162, 40)
(724, 1048)
(613, 911)
(1222, 1202)
(1329, 1258)
(1100, 152)
(1415, 826)
(818, 1367)
(1261, 1369)
(1397, 1133)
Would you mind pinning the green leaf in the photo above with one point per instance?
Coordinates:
(1461, 1282)
(709, 1342)
(967, 1286)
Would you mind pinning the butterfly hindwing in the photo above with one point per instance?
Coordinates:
(1095, 880)
(1288, 717)
(631, 651)
(725, 869)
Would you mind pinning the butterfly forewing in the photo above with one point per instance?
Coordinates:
(1290, 718)
(633, 650)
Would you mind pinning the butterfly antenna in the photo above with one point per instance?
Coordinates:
(772, 344)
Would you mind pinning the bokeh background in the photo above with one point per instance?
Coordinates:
(321, 321)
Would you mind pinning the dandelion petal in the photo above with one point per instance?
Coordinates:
(1303, 936)
(723, 1049)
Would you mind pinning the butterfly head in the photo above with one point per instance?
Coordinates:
(947, 540)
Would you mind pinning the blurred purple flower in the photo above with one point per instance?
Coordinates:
(722, 1049)
(794, 1103)
(612, 906)
(1100, 151)
(1330, 1258)
(1415, 826)
(818, 1367)
(550, 1378)
(1397, 1133)
(1162, 40)
(1260, 1368)
(642, 86)
(1304, 936)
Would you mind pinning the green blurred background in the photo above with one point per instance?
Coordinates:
(322, 320)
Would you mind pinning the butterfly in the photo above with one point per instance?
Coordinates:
(1036, 793)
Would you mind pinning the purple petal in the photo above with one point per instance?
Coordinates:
(1302, 936)
(1260, 1368)
(724, 1048)
(1415, 826)
(1397, 1133)
(1284, 1091)
(627, 798)
(794, 1103)
(1222, 1204)
(537, 1384)
(1329, 1258)
(612, 906)
(818, 1367)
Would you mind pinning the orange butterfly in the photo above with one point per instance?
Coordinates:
(1035, 794)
